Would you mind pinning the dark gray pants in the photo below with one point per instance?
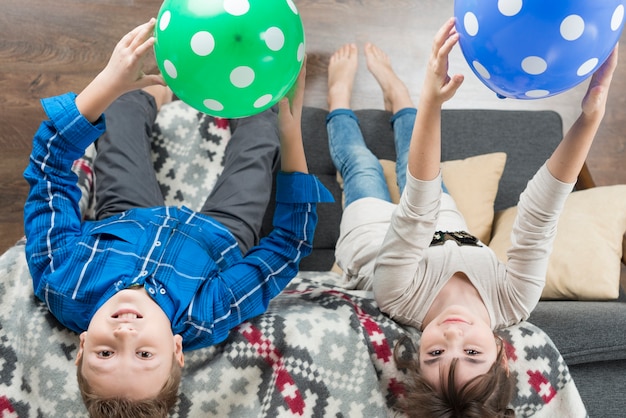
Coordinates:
(125, 176)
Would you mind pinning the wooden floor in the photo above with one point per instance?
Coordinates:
(47, 48)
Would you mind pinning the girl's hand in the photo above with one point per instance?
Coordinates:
(594, 101)
(569, 156)
(438, 85)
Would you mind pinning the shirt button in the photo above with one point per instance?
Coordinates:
(162, 291)
(144, 273)
(151, 290)
(158, 243)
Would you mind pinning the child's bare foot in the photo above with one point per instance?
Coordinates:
(341, 72)
(395, 93)
(162, 94)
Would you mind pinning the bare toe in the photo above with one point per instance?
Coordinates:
(376, 58)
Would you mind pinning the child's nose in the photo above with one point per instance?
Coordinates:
(123, 330)
(452, 332)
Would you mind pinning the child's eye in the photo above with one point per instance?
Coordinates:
(471, 352)
(435, 353)
(105, 353)
(144, 354)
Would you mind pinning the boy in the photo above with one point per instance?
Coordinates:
(144, 282)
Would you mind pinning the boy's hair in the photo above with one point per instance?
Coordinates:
(486, 395)
(157, 407)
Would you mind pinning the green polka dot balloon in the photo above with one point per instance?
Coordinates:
(229, 58)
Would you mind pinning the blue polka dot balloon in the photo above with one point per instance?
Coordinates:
(229, 58)
(531, 49)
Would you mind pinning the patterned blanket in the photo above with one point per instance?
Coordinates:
(320, 350)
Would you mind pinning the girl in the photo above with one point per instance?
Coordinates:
(425, 270)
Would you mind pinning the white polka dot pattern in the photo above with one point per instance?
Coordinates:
(530, 49)
(229, 58)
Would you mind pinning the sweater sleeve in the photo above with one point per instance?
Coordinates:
(410, 232)
(533, 234)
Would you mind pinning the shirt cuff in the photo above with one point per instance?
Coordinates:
(301, 188)
(70, 123)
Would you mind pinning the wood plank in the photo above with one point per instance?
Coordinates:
(13, 189)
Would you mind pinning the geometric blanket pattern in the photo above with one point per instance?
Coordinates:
(188, 153)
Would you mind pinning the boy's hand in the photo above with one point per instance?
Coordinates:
(290, 126)
(438, 85)
(125, 67)
(290, 108)
(123, 73)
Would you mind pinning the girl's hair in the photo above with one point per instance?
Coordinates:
(157, 407)
(486, 395)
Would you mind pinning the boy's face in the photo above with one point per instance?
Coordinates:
(457, 333)
(129, 347)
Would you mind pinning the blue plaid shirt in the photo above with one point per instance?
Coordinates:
(189, 263)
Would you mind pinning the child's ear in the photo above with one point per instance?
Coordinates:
(178, 350)
(81, 347)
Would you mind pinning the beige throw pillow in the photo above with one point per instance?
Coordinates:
(586, 260)
(472, 182)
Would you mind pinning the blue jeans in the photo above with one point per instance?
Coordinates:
(361, 171)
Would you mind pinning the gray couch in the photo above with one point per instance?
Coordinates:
(590, 335)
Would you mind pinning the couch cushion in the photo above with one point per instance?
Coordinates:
(583, 331)
(597, 384)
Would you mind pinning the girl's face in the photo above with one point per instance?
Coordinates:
(456, 333)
